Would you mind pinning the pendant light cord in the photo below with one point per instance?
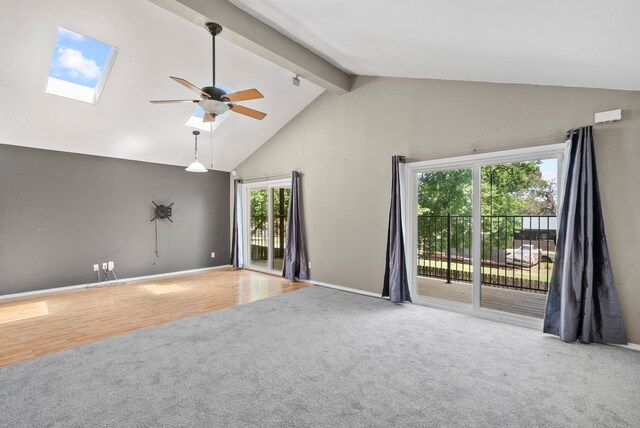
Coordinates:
(196, 146)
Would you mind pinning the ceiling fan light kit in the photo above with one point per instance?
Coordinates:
(213, 107)
(195, 165)
(215, 101)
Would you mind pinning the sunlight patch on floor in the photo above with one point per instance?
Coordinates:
(164, 289)
(24, 311)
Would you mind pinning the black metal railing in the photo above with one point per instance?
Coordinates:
(259, 232)
(279, 235)
(444, 247)
(517, 251)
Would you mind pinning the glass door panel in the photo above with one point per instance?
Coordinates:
(444, 235)
(518, 235)
(259, 227)
(279, 207)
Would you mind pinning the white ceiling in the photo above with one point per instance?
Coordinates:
(584, 43)
(153, 44)
(589, 43)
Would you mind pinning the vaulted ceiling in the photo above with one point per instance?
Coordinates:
(153, 44)
(580, 43)
(588, 43)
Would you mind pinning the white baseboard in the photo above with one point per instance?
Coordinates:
(104, 283)
(45, 291)
(162, 275)
(632, 346)
(341, 288)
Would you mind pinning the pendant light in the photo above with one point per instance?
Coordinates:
(196, 166)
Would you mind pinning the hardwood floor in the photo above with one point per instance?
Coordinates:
(39, 325)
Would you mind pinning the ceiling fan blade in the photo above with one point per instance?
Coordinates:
(247, 94)
(208, 118)
(173, 101)
(190, 85)
(248, 111)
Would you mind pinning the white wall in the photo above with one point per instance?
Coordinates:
(343, 146)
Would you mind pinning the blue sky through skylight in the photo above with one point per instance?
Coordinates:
(199, 112)
(78, 59)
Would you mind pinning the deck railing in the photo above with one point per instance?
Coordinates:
(517, 251)
(259, 230)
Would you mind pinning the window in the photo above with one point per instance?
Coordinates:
(265, 213)
(80, 66)
(481, 231)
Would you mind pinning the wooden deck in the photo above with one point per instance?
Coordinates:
(277, 264)
(500, 299)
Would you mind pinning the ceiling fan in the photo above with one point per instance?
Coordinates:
(214, 101)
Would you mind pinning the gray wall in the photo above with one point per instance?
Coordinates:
(60, 213)
(343, 145)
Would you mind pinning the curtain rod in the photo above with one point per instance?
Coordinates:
(534, 142)
(267, 178)
(574, 130)
(539, 142)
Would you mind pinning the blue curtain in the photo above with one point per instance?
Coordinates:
(582, 303)
(396, 283)
(295, 257)
(236, 240)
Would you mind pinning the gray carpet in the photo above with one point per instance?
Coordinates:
(319, 357)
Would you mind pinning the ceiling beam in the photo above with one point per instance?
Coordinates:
(250, 33)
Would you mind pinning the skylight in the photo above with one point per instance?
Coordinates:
(195, 121)
(80, 66)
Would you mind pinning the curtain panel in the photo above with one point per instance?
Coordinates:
(237, 259)
(396, 283)
(295, 258)
(582, 303)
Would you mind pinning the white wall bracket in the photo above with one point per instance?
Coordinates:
(608, 116)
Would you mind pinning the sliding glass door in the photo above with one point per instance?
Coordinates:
(482, 229)
(279, 207)
(265, 215)
(444, 235)
(518, 228)
(258, 227)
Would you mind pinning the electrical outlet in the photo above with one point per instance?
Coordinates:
(96, 268)
(213, 255)
(111, 265)
(105, 266)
